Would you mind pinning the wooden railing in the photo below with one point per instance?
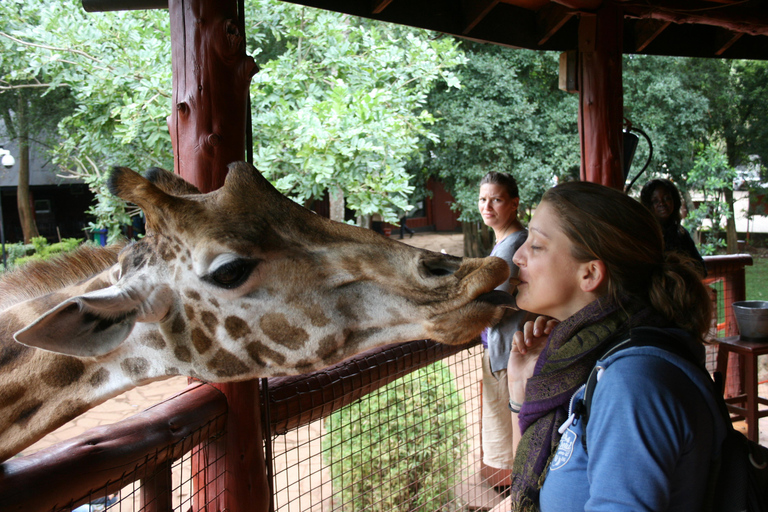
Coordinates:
(65, 475)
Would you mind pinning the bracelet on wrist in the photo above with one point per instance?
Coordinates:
(514, 406)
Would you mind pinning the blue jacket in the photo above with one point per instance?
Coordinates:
(654, 427)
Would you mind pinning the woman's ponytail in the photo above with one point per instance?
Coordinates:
(677, 292)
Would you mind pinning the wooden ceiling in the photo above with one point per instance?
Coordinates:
(736, 29)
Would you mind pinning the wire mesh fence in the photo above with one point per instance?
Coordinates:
(183, 476)
(411, 445)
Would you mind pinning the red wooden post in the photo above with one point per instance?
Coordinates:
(211, 77)
(600, 97)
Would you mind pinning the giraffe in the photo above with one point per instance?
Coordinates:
(235, 284)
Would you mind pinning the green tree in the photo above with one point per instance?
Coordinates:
(508, 116)
(735, 90)
(115, 67)
(30, 110)
(658, 100)
(340, 106)
(711, 175)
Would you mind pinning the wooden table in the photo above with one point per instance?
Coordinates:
(747, 405)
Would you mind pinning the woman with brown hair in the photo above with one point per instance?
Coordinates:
(498, 202)
(594, 263)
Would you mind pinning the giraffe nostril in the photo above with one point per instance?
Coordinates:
(440, 267)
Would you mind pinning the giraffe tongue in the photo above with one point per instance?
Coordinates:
(498, 298)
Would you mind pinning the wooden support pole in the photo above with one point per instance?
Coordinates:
(211, 76)
(600, 97)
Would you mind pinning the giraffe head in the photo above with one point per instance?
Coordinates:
(242, 283)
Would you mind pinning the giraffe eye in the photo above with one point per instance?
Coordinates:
(232, 274)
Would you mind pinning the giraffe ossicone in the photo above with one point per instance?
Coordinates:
(235, 284)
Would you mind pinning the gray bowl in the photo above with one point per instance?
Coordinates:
(752, 319)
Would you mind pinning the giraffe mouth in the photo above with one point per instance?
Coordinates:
(498, 298)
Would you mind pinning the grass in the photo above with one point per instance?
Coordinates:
(757, 279)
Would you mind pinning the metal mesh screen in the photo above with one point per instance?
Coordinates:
(165, 481)
(412, 445)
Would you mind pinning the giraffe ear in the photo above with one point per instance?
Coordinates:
(94, 324)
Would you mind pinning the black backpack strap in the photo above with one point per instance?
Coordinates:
(638, 337)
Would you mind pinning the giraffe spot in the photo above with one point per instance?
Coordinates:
(135, 367)
(99, 377)
(183, 354)
(63, 372)
(316, 314)
(276, 327)
(154, 340)
(13, 352)
(179, 324)
(172, 370)
(260, 352)
(201, 341)
(236, 327)
(210, 320)
(192, 294)
(26, 412)
(304, 366)
(356, 338)
(328, 347)
(183, 258)
(72, 408)
(346, 308)
(226, 364)
(10, 395)
(214, 302)
(189, 311)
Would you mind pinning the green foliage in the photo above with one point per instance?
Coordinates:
(396, 449)
(508, 116)
(40, 250)
(709, 176)
(757, 279)
(341, 104)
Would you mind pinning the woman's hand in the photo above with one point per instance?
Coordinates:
(526, 347)
(534, 333)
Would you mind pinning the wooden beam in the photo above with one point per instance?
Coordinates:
(550, 19)
(749, 17)
(724, 39)
(648, 30)
(474, 12)
(379, 5)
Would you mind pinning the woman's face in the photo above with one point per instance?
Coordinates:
(495, 205)
(662, 203)
(550, 277)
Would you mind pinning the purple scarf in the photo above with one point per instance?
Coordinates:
(570, 354)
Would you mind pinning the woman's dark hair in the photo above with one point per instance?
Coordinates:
(647, 192)
(605, 224)
(505, 180)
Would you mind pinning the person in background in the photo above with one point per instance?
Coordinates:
(662, 198)
(498, 202)
(594, 265)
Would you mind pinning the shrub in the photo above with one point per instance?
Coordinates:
(43, 251)
(397, 448)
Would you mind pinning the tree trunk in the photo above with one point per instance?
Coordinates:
(732, 239)
(23, 195)
(211, 77)
(478, 239)
(336, 203)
